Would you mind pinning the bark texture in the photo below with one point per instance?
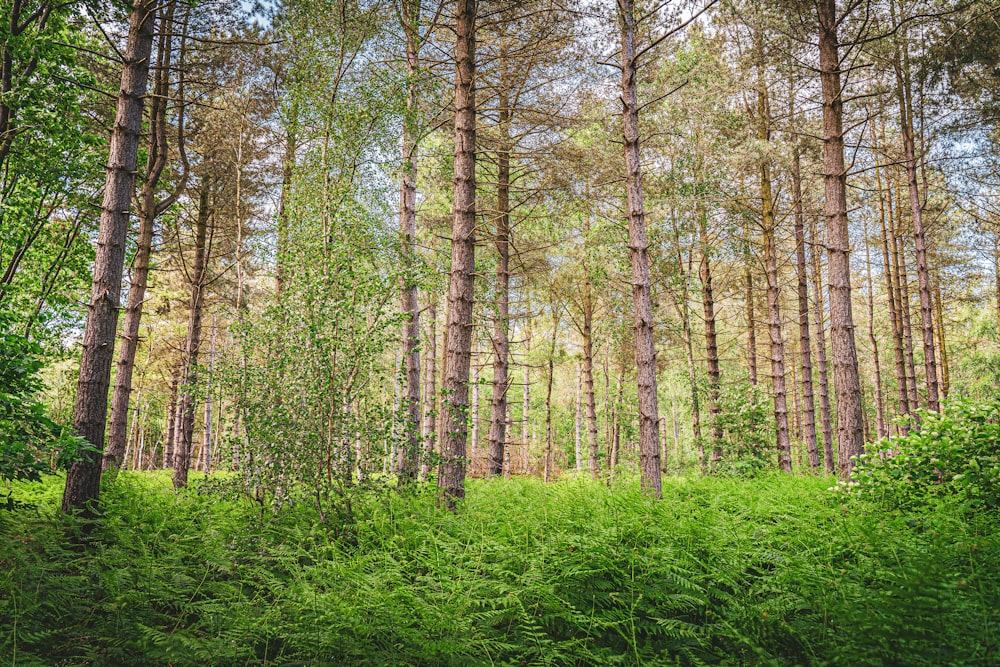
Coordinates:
(847, 383)
(645, 350)
(805, 343)
(83, 480)
(451, 479)
(192, 344)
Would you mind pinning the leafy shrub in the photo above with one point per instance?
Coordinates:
(31, 444)
(955, 453)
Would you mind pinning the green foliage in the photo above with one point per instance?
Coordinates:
(31, 444)
(956, 453)
(776, 571)
(748, 431)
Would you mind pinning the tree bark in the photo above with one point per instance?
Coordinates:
(148, 211)
(83, 480)
(917, 212)
(749, 301)
(899, 252)
(879, 400)
(768, 225)
(451, 480)
(430, 395)
(578, 419)
(588, 370)
(805, 343)
(645, 342)
(821, 366)
(711, 338)
(847, 382)
(192, 345)
(407, 461)
(501, 327)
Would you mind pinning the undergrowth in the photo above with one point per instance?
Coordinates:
(773, 571)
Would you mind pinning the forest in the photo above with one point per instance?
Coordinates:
(500, 332)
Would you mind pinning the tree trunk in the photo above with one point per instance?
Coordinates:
(168, 443)
(206, 443)
(578, 419)
(182, 458)
(83, 480)
(588, 374)
(407, 461)
(546, 475)
(451, 479)
(847, 383)
(942, 344)
(749, 301)
(805, 344)
(501, 327)
(711, 338)
(768, 225)
(917, 211)
(892, 291)
(899, 252)
(879, 400)
(430, 395)
(156, 160)
(645, 342)
(821, 368)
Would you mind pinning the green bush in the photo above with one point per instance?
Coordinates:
(31, 444)
(956, 453)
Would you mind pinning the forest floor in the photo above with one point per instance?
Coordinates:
(770, 571)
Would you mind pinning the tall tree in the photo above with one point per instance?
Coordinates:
(645, 342)
(847, 382)
(83, 480)
(451, 479)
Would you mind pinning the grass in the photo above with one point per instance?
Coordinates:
(771, 571)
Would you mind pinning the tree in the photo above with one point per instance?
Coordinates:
(451, 479)
(83, 479)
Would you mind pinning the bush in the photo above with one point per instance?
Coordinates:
(956, 453)
(31, 444)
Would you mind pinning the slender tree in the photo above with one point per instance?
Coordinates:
(451, 479)
(83, 480)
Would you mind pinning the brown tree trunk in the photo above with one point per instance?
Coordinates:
(168, 442)
(768, 225)
(891, 288)
(588, 374)
(847, 383)
(501, 327)
(547, 468)
(578, 419)
(83, 480)
(879, 400)
(451, 479)
(917, 211)
(899, 252)
(821, 368)
(645, 342)
(430, 395)
(711, 338)
(408, 460)
(805, 344)
(942, 344)
(192, 345)
(156, 160)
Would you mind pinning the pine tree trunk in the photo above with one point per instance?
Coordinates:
(83, 480)
(182, 457)
(407, 462)
(645, 342)
(821, 367)
(711, 338)
(892, 291)
(451, 479)
(430, 395)
(501, 327)
(879, 400)
(588, 358)
(156, 160)
(578, 419)
(942, 344)
(917, 212)
(805, 343)
(547, 474)
(168, 443)
(899, 251)
(784, 445)
(206, 445)
(847, 383)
